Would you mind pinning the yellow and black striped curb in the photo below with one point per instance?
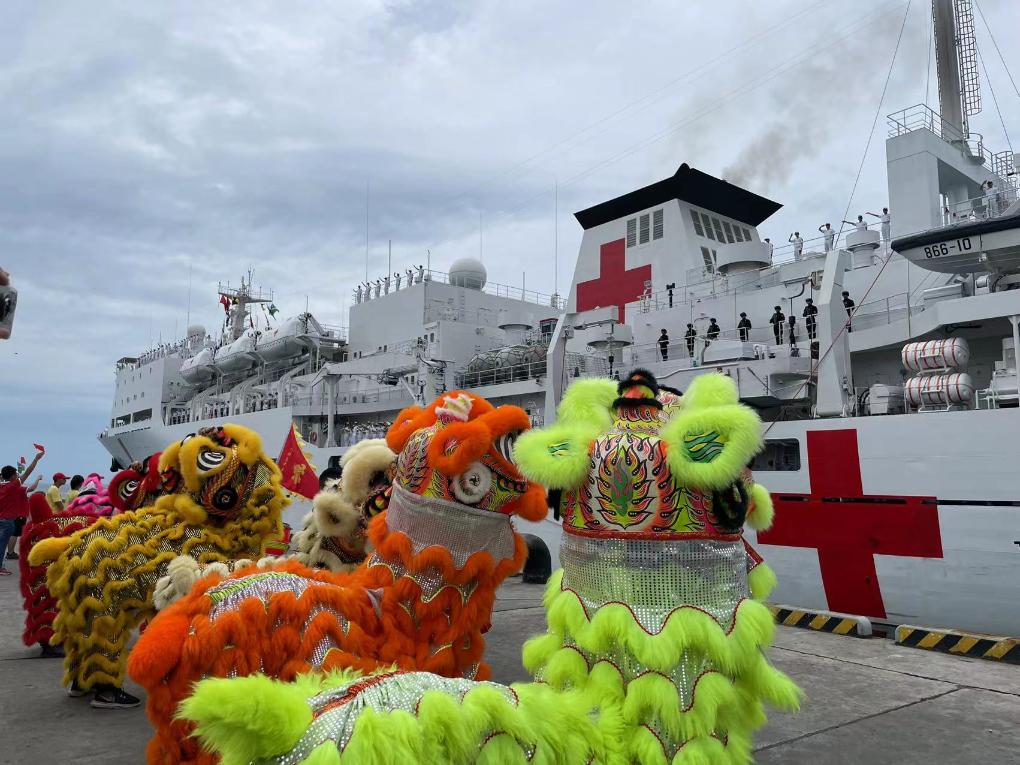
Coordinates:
(823, 621)
(960, 643)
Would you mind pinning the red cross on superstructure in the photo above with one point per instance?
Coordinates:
(615, 285)
(848, 527)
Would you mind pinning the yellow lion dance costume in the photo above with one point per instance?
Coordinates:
(227, 506)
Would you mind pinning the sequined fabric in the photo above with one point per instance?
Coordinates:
(655, 577)
(337, 711)
(460, 529)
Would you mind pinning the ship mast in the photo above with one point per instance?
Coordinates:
(956, 66)
(240, 298)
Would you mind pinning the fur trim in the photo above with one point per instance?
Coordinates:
(588, 402)
(762, 581)
(762, 511)
(359, 467)
(556, 456)
(708, 447)
(711, 389)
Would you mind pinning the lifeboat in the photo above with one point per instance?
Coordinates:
(199, 368)
(238, 356)
(292, 338)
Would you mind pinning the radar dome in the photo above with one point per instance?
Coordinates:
(196, 330)
(468, 272)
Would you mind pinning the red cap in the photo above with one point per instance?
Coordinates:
(58, 476)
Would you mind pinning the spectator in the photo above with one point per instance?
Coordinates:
(713, 332)
(848, 304)
(798, 244)
(14, 501)
(664, 345)
(53, 493)
(690, 336)
(744, 327)
(777, 324)
(886, 222)
(810, 311)
(829, 234)
(76, 482)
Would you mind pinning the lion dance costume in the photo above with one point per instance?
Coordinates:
(653, 652)
(333, 536)
(228, 504)
(422, 600)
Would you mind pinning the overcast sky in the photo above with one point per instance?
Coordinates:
(140, 139)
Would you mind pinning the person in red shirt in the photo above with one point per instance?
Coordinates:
(14, 500)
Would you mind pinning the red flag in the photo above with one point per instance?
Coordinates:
(299, 475)
(225, 302)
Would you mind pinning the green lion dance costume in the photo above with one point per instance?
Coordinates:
(654, 649)
(227, 506)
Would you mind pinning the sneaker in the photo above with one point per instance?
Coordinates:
(12, 556)
(4, 572)
(75, 691)
(111, 697)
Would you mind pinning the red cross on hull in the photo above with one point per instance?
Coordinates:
(848, 527)
(615, 285)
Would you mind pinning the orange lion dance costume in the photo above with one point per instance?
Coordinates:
(421, 601)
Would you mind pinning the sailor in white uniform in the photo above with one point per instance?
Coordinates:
(886, 226)
(858, 224)
(798, 244)
(829, 234)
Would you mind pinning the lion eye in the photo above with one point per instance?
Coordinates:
(210, 458)
(505, 445)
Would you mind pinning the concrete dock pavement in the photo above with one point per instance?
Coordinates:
(866, 700)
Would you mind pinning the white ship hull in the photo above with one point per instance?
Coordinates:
(938, 518)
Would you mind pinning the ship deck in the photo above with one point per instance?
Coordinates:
(866, 700)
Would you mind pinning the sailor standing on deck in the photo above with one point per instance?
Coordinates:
(713, 332)
(810, 311)
(829, 234)
(886, 225)
(744, 327)
(664, 345)
(777, 324)
(769, 243)
(848, 304)
(858, 224)
(690, 336)
(798, 244)
(792, 321)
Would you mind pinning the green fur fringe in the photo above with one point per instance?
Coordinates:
(556, 456)
(733, 435)
(763, 512)
(709, 390)
(589, 402)
(762, 581)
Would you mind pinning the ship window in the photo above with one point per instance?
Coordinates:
(778, 454)
(708, 226)
(657, 224)
(706, 255)
(747, 235)
(718, 230)
(643, 229)
(632, 232)
(738, 233)
(729, 231)
(696, 217)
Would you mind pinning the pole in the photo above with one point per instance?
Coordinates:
(367, 191)
(556, 238)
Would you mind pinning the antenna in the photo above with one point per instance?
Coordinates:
(366, 227)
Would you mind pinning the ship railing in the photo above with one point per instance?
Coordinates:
(335, 332)
(531, 370)
(499, 290)
(677, 348)
(923, 117)
(983, 207)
